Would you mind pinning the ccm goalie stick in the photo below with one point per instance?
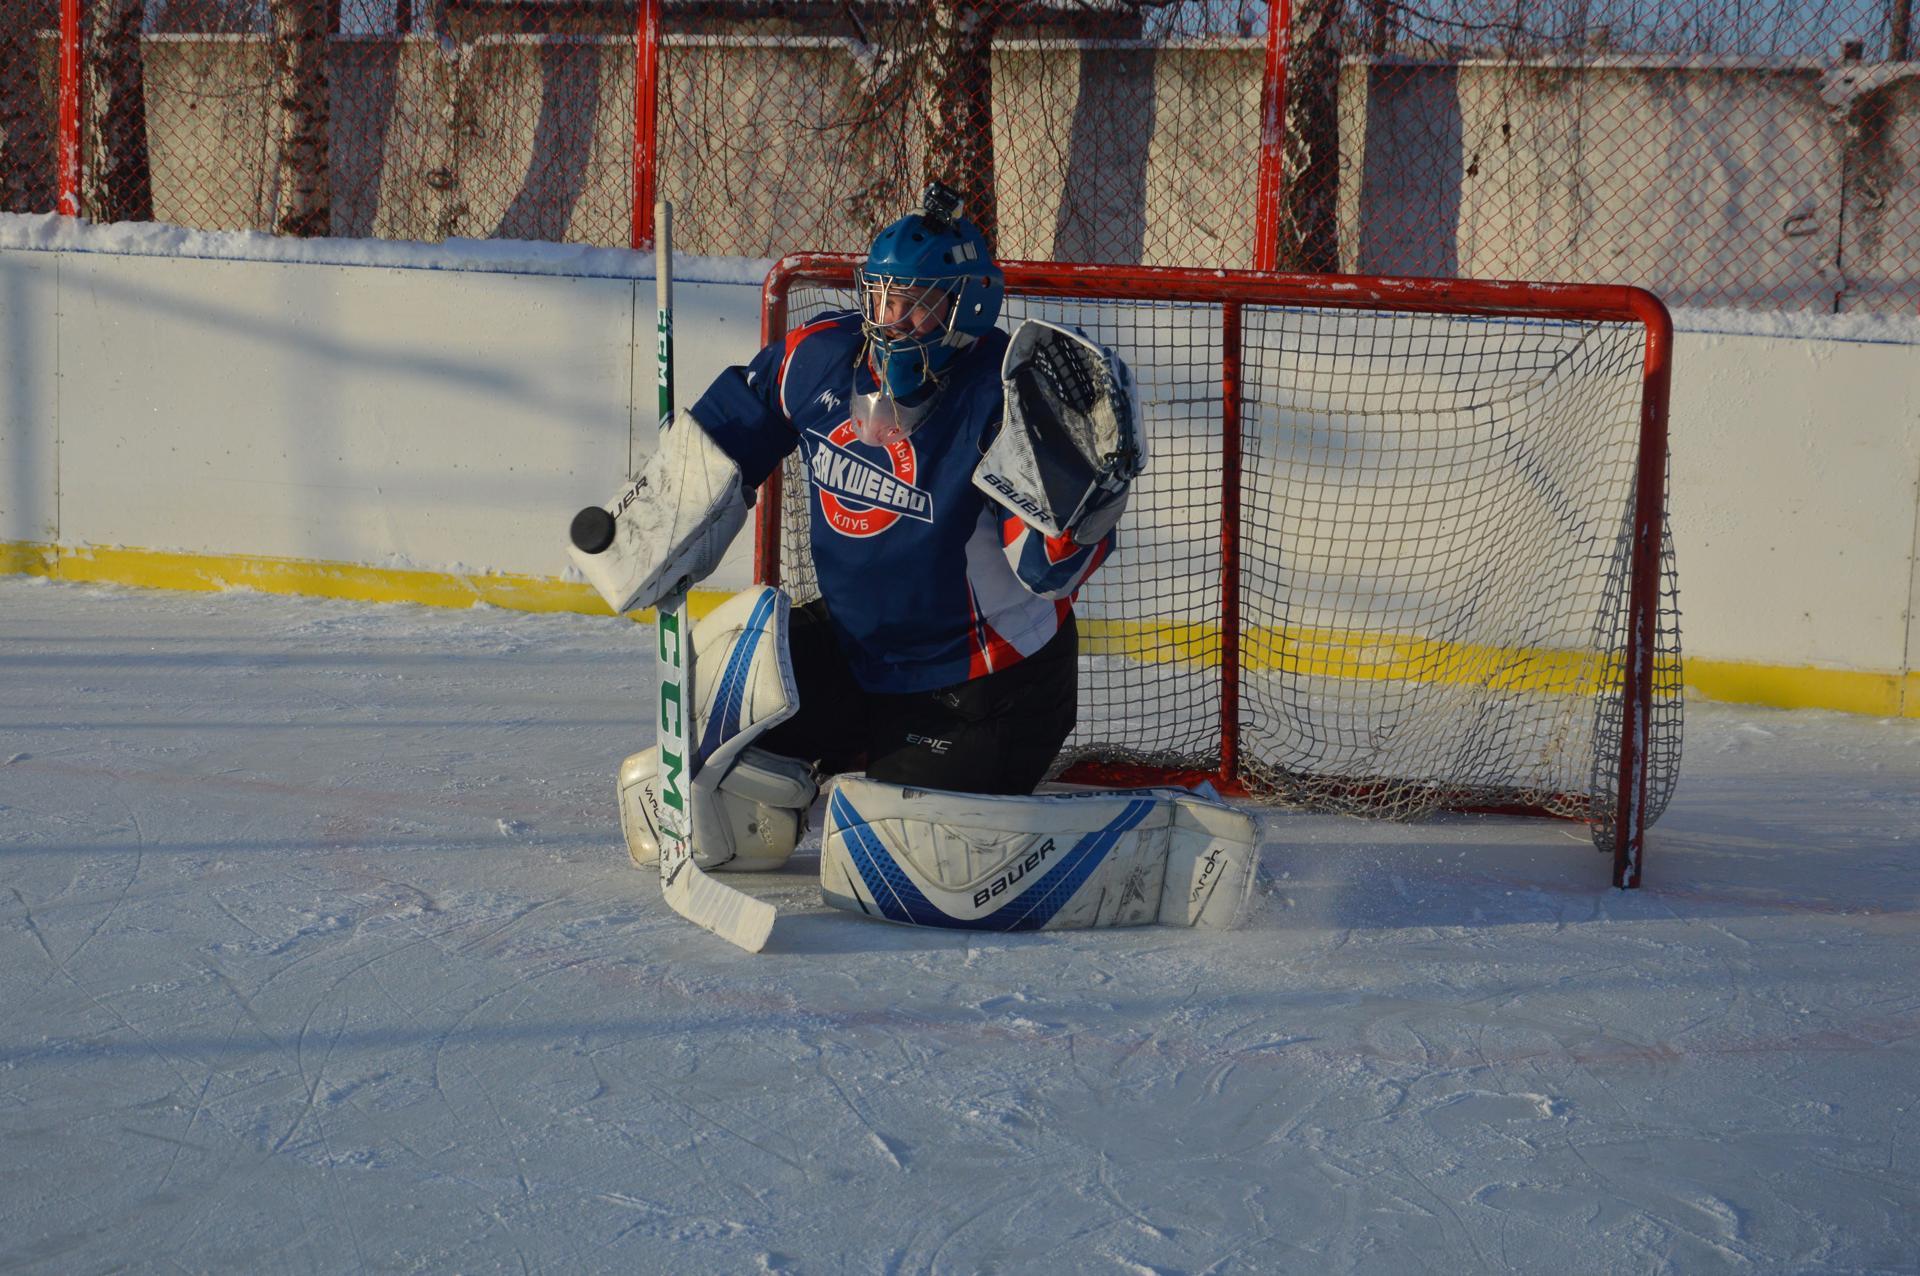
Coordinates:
(731, 914)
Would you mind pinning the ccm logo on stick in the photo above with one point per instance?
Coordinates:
(998, 886)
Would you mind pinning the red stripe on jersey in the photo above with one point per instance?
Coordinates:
(1060, 547)
(794, 339)
(990, 652)
(999, 654)
(1061, 606)
(977, 665)
(1099, 556)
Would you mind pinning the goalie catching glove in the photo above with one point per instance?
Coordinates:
(669, 527)
(749, 805)
(1070, 442)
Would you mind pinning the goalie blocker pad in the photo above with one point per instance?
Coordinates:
(1070, 442)
(670, 525)
(1049, 862)
(748, 804)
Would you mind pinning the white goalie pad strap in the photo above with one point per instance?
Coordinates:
(754, 819)
(1070, 443)
(772, 780)
(1049, 862)
(672, 524)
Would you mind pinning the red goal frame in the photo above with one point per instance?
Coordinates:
(1231, 291)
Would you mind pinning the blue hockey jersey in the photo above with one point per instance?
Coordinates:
(929, 582)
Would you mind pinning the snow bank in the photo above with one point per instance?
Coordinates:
(51, 231)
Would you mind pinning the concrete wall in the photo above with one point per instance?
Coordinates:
(1538, 172)
(1705, 181)
(449, 422)
(1127, 154)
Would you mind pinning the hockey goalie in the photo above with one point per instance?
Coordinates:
(964, 484)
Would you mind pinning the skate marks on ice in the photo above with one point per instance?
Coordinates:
(320, 1010)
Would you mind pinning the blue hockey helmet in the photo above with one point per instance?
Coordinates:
(928, 289)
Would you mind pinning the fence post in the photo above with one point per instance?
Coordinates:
(68, 143)
(646, 79)
(1273, 136)
(1899, 31)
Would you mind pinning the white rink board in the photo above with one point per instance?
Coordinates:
(434, 419)
(344, 415)
(451, 420)
(29, 370)
(1795, 471)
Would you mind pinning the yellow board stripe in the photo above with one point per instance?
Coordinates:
(162, 569)
(1882, 695)
(1322, 653)
(1332, 653)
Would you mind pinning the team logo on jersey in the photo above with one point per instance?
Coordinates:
(860, 497)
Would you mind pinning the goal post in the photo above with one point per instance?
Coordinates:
(1402, 545)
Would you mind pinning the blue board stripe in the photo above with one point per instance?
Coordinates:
(901, 901)
(723, 722)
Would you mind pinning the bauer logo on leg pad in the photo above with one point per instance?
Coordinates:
(971, 862)
(1025, 892)
(1013, 875)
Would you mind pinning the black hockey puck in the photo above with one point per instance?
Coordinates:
(592, 530)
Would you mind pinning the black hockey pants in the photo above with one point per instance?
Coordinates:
(994, 734)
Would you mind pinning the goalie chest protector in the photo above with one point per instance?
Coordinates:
(907, 551)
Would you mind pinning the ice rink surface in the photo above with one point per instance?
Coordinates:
(319, 952)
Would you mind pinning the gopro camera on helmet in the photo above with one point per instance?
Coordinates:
(941, 206)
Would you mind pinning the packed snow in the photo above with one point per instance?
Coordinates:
(52, 232)
(321, 953)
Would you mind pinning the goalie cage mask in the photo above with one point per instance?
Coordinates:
(928, 290)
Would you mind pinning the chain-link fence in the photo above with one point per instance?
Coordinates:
(1721, 152)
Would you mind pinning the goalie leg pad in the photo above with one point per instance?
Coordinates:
(749, 823)
(1056, 861)
(748, 805)
(743, 678)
